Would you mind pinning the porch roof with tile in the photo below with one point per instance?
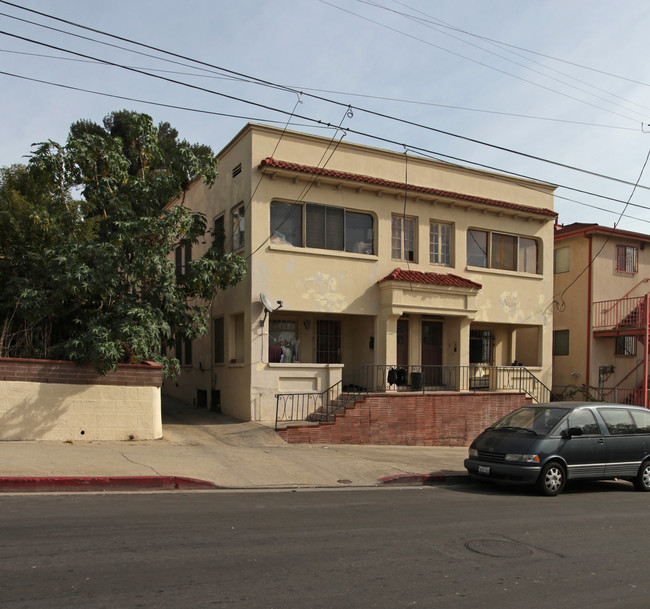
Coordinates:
(441, 279)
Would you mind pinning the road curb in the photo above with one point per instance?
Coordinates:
(424, 479)
(22, 484)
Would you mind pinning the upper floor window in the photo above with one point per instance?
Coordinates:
(627, 259)
(219, 233)
(440, 243)
(325, 227)
(183, 258)
(502, 251)
(238, 227)
(562, 260)
(403, 238)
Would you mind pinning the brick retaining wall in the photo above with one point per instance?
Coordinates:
(58, 400)
(59, 371)
(414, 419)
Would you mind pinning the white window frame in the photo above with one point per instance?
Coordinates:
(440, 243)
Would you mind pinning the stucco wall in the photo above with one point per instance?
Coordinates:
(56, 400)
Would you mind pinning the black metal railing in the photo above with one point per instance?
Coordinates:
(324, 405)
(454, 378)
(314, 407)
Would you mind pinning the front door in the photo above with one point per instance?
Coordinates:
(432, 353)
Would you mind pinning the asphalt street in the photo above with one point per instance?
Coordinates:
(464, 546)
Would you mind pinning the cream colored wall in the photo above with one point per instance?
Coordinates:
(50, 411)
(319, 282)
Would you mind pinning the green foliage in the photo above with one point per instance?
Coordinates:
(85, 245)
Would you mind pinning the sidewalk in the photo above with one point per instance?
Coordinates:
(200, 447)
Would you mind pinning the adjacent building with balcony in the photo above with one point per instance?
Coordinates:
(600, 337)
(368, 272)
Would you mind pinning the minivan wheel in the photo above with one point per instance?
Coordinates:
(552, 479)
(642, 480)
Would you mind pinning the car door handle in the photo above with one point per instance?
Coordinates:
(601, 441)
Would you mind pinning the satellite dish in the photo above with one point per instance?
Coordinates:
(267, 303)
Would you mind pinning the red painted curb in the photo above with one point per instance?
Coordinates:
(100, 483)
(414, 479)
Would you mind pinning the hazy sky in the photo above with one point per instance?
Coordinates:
(563, 86)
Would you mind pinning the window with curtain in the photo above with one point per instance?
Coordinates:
(502, 251)
(325, 227)
(627, 258)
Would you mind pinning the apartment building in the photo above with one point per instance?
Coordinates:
(364, 264)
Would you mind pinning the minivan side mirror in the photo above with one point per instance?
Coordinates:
(574, 431)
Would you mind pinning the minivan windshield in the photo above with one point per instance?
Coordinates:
(537, 420)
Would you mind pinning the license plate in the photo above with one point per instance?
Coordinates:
(484, 469)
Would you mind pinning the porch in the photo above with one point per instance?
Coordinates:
(458, 383)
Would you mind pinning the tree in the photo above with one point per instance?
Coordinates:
(86, 238)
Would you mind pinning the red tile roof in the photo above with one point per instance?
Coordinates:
(356, 177)
(431, 278)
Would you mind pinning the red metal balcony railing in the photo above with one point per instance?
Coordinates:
(620, 314)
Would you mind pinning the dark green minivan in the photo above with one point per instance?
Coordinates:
(550, 444)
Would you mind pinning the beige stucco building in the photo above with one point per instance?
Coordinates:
(379, 260)
(600, 318)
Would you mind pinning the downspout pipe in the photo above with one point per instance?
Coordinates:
(590, 306)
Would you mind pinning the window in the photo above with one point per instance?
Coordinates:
(619, 421)
(481, 343)
(286, 223)
(219, 233)
(403, 238)
(359, 235)
(440, 243)
(238, 227)
(501, 251)
(504, 252)
(561, 342)
(584, 420)
(642, 420)
(325, 227)
(625, 346)
(477, 248)
(219, 340)
(183, 351)
(183, 255)
(328, 342)
(562, 261)
(283, 340)
(627, 258)
(528, 258)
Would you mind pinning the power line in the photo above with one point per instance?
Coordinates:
(275, 85)
(436, 24)
(476, 61)
(422, 151)
(545, 55)
(214, 75)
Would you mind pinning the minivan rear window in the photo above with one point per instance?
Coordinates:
(642, 420)
(618, 420)
(539, 420)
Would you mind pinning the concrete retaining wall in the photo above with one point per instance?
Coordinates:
(414, 419)
(58, 400)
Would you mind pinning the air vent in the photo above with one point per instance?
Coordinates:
(236, 171)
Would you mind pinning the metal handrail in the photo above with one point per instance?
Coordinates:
(322, 406)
